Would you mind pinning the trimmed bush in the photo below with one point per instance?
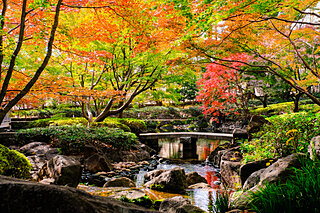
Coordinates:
(112, 123)
(136, 125)
(57, 121)
(13, 163)
(72, 139)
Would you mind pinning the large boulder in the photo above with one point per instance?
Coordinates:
(64, 170)
(314, 148)
(230, 168)
(30, 197)
(249, 168)
(178, 204)
(120, 182)
(277, 172)
(173, 180)
(97, 163)
(194, 177)
(281, 169)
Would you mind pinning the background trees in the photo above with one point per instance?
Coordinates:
(24, 23)
(280, 36)
(116, 52)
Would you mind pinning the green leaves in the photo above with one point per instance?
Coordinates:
(72, 139)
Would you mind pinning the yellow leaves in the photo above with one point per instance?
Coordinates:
(291, 131)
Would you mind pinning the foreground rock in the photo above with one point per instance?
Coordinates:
(194, 177)
(29, 197)
(178, 204)
(173, 180)
(63, 170)
(277, 172)
(120, 182)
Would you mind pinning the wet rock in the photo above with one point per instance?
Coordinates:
(64, 170)
(199, 186)
(173, 180)
(40, 149)
(150, 175)
(230, 174)
(314, 148)
(178, 204)
(120, 182)
(25, 196)
(131, 194)
(194, 177)
(97, 163)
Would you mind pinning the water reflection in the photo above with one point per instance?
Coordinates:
(172, 148)
(203, 198)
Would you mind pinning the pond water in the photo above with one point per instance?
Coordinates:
(203, 198)
(173, 149)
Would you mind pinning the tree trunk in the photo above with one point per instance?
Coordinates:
(296, 99)
(265, 101)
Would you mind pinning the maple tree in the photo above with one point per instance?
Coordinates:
(280, 36)
(115, 54)
(220, 88)
(24, 23)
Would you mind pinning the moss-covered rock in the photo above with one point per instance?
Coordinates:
(13, 163)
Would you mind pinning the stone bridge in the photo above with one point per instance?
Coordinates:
(188, 139)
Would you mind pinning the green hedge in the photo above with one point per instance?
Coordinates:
(13, 163)
(287, 133)
(57, 121)
(72, 139)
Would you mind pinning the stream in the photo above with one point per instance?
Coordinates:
(171, 154)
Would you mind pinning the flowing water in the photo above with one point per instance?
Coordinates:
(173, 149)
